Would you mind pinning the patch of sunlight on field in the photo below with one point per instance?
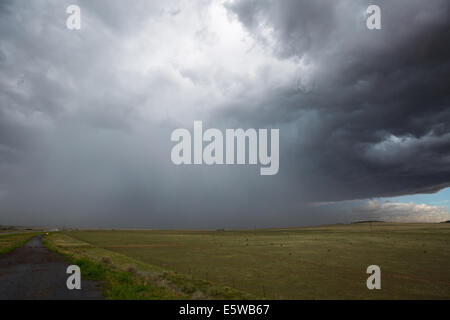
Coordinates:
(311, 263)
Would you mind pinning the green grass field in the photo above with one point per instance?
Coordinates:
(327, 262)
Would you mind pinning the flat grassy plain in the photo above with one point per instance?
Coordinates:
(123, 277)
(326, 262)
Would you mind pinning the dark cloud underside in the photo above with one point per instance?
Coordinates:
(86, 116)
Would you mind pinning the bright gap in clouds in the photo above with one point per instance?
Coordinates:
(206, 57)
(410, 208)
(441, 198)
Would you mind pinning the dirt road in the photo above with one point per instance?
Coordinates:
(33, 272)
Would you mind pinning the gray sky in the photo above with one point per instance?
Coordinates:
(86, 116)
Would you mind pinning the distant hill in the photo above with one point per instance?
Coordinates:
(448, 221)
(367, 221)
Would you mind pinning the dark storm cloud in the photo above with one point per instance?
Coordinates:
(377, 117)
(86, 119)
(86, 116)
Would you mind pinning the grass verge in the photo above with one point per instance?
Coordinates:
(9, 242)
